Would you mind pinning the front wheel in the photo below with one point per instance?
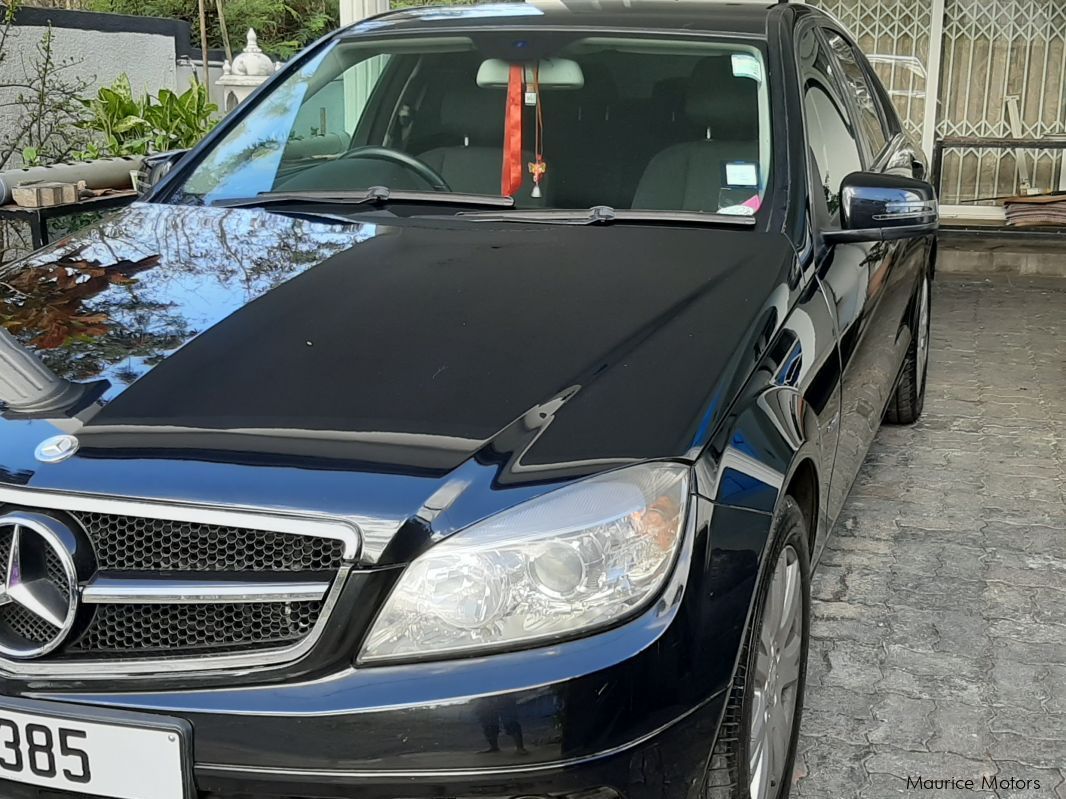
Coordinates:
(756, 746)
(909, 398)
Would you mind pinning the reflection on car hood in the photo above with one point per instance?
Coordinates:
(209, 346)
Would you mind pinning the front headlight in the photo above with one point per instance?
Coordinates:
(581, 557)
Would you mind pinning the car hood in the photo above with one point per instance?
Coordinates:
(266, 359)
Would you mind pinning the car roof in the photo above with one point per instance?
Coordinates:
(731, 18)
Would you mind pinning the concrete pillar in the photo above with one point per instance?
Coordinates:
(355, 10)
(355, 89)
(932, 76)
(27, 386)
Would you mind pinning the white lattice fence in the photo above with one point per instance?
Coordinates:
(995, 50)
(895, 36)
(990, 51)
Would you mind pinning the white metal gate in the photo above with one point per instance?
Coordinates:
(895, 36)
(984, 68)
(1004, 66)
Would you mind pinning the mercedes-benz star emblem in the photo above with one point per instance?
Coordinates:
(56, 449)
(39, 593)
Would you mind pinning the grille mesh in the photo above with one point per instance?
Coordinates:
(27, 625)
(130, 542)
(124, 629)
(54, 567)
(15, 618)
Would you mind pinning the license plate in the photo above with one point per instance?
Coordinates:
(103, 753)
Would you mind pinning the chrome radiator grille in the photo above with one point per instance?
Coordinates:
(172, 586)
(131, 542)
(223, 627)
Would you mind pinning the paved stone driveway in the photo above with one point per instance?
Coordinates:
(939, 633)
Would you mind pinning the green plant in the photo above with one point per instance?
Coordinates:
(124, 125)
(284, 26)
(39, 96)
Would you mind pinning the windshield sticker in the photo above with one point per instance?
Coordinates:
(741, 173)
(746, 66)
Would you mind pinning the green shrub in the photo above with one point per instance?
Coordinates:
(123, 125)
(284, 26)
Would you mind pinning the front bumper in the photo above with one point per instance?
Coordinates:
(631, 712)
(614, 715)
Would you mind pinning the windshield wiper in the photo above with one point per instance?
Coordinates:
(375, 195)
(605, 215)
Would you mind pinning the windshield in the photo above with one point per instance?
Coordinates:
(553, 120)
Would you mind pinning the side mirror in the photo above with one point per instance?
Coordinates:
(877, 207)
(154, 168)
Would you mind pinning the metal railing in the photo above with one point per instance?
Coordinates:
(978, 142)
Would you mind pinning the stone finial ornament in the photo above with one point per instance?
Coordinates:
(253, 62)
(248, 70)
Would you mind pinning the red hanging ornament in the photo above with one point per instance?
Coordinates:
(511, 179)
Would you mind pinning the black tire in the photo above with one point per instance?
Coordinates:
(727, 773)
(908, 400)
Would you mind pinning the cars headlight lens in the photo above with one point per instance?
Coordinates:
(577, 558)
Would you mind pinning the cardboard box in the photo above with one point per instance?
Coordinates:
(44, 194)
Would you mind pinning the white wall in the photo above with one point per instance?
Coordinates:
(148, 59)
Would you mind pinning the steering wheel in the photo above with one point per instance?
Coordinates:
(408, 162)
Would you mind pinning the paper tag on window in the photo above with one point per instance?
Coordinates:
(531, 98)
(741, 173)
(737, 210)
(746, 66)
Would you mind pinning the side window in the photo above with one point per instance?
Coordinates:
(866, 100)
(833, 148)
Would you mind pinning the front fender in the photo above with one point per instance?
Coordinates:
(785, 417)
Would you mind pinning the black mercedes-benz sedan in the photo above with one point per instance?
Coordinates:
(461, 418)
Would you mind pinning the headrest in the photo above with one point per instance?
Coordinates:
(591, 103)
(668, 99)
(599, 84)
(473, 112)
(718, 99)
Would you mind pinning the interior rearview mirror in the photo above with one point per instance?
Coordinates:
(878, 207)
(549, 73)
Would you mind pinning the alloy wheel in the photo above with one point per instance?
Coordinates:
(776, 680)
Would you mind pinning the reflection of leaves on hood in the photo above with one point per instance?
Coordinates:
(49, 301)
(70, 312)
(118, 298)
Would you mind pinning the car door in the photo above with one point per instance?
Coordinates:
(867, 283)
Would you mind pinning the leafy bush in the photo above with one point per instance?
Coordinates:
(123, 125)
(284, 26)
(39, 95)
